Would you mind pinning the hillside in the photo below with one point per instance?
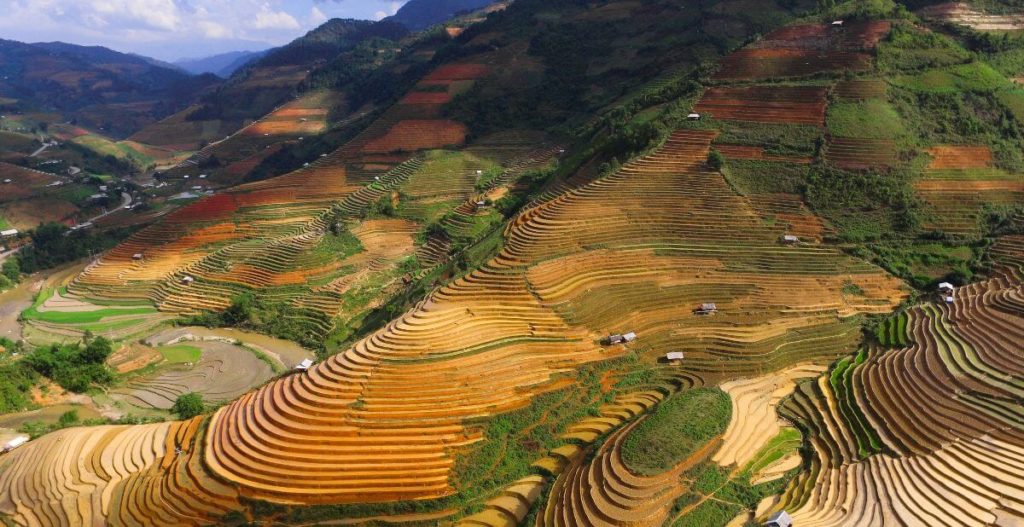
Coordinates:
(661, 263)
(264, 84)
(421, 14)
(100, 88)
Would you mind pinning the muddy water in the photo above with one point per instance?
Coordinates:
(12, 303)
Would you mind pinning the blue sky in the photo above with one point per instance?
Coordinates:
(173, 29)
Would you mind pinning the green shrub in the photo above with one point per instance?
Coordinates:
(715, 160)
(188, 405)
(678, 426)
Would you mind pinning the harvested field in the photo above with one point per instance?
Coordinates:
(754, 420)
(963, 13)
(411, 135)
(755, 63)
(766, 104)
(757, 153)
(941, 410)
(959, 157)
(457, 72)
(959, 183)
(224, 371)
(859, 153)
(488, 342)
(111, 469)
(860, 89)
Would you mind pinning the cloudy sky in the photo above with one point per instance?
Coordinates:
(173, 29)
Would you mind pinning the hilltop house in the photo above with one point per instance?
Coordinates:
(622, 339)
(779, 519)
(706, 309)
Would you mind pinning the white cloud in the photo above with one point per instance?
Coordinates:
(316, 16)
(379, 15)
(267, 18)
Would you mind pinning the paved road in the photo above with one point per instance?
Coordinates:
(126, 200)
(40, 151)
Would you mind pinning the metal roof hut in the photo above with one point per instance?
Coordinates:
(707, 308)
(674, 356)
(304, 365)
(187, 280)
(629, 337)
(693, 117)
(790, 239)
(137, 256)
(946, 287)
(779, 519)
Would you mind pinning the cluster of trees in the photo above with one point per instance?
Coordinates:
(278, 319)
(77, 366)
(10, 273)
(53, 244)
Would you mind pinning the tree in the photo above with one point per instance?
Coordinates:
(715, 160)
(97, 350)
(11, 270)
(188, 405)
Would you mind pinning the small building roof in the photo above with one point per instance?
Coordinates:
(188, 279)
(304, 365)
(137, 256)
(709, 306)
(9, 232)
(790, 238)
(837, 22)
(674, 355)
(693, 115)
(944, 286)
(950, 300)
(780, 519)
(629, 337)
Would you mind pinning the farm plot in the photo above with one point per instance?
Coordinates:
(766, 104)
(889, 428)
(959, 183)
(860, 153)
(223, 372)
(113, 470)
(964, 14)
(804, 50)
(382, 420)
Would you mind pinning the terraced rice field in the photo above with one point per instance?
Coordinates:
(963, 13)
(223, 372)
(381, 420)
(860, 153)
(927, 434)
(766, 104)
(959, 182)
(803, 50)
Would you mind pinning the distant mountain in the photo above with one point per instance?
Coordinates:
(223, 65)
(99, 87)
(421, 14)
(263, 84)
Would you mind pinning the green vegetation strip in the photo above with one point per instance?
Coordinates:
(676, 429)
(181, 353)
